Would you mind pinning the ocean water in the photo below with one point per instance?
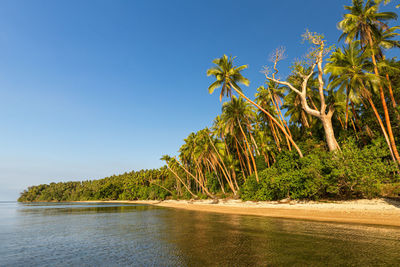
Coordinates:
(98, 234)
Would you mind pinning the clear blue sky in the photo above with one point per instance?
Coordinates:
(94, 88)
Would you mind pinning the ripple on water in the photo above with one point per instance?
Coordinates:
(53, 234)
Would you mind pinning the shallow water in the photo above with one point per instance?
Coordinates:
(76, 234)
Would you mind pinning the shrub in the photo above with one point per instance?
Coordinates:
(352, 173)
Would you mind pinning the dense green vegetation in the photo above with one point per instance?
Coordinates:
(329, 130)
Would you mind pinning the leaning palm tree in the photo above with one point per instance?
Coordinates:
(238, 116)
(227, 77)
(365, 22)
(170, 163)
(347, 69)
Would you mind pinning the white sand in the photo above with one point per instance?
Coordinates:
(375, 211)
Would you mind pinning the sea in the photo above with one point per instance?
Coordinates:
(111, 234)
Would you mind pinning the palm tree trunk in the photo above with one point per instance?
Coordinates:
(355, 116)
(246, 154)
(347, 107)
(394, 104)
(388, 125)
(241, 160)
(266, 159)
(256, 150)
(281, 120)
(161, 187)
(228, 178)
(385, 109)
(224, 169)
(249, 149)
(381, 125)
(216, 173)
(273, 119)
(340, 121)
(197, 180)
(179, 178)
(274, 134)
(354, 127)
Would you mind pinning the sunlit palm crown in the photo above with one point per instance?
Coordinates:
(226, 75)
(237, 111)
(347, 69)
(364, 20)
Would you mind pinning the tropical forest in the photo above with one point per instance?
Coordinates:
(328, 130)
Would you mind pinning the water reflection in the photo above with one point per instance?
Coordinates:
(141, 235)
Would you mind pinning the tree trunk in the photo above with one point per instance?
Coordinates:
(394, 104)
(179, 178)
(273, 119)
(250, 152)
(381, 125)
(281, 120)
(197, 180)
(347, 107)
(388, 125)
(329, 133)
(223, 167)
(386, 112)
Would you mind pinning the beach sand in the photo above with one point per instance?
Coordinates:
(375, 211)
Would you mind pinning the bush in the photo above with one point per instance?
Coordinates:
(360, 172)
(353, 173)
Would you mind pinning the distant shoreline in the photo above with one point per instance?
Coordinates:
(375, 212)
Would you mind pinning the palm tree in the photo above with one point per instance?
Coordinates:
(189, 154)
(236, 114)
(391, 67)
(346, 66)
(270, 99)
(347, 71)
(385, 42)
(170, 162)
(294, 110)
(227, 77)
(365, 23)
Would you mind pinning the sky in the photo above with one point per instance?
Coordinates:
(90, 88)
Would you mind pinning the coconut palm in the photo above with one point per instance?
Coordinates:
(171, 163)
(391, 67)
(238, 116)
(363, 22)
(385, 41)
(347, 69)
(227, 77)
(263, 98)
(366, 23)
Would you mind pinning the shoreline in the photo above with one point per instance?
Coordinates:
(383, 212)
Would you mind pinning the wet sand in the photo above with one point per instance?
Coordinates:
(375, 211)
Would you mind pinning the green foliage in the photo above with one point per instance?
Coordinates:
(360, 172)
(212, 182)
(127, 186)
(354, 173)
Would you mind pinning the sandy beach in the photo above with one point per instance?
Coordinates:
(375, 211)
